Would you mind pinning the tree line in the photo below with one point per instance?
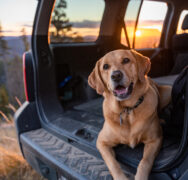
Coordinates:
(11, 75)
(63, 26)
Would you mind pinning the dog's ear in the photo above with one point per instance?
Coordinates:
(143, 64)
(95, 80)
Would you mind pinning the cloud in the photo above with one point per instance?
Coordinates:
(146, 22)
(150, 22)
(96, 24)
(86, 24)
(27, 25)
(8, 31)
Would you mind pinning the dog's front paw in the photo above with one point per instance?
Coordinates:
(121, 177)
(140, 177)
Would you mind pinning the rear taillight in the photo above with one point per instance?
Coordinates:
(25, 78)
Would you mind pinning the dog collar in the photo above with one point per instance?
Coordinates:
(128, 109)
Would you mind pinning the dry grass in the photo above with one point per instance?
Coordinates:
(8, 139)
(12, 164)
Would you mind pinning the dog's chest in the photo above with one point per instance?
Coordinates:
(126, 118)
(128, 135)
(130, 139)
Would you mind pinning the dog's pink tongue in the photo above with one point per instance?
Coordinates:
(121, 91)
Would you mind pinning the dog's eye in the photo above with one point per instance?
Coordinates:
(106, 66)
(125, 61)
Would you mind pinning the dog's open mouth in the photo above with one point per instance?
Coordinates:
(123, 92)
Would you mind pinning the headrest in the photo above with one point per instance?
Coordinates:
(180, 42)
(185, 23)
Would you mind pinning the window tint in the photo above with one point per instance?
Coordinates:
(182, 16)
(75, 21)
(150, 23)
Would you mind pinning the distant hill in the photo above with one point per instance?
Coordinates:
(16, 45)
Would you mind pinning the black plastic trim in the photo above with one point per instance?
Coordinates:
(67, 159)
(29, 76)
(26, 119)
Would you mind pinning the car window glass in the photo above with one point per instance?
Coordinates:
(150, 24)
(76, 21)
(182, 16)
(130, 21)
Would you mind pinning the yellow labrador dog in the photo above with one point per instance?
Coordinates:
(131, 100)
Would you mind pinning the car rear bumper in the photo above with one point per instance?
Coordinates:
(53, 157)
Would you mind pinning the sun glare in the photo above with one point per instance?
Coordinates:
(138, 33)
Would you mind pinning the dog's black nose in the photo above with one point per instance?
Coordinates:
(117, 76)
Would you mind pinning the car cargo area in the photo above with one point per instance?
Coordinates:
(84, 122)
(82, 116)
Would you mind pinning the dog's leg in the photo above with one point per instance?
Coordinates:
(109, 157)
(150, 152)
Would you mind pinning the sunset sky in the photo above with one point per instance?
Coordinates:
(15, 14)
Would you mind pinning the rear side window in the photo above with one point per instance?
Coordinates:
(75, 21)
(131, 15)
(182, 16)
(150, 23)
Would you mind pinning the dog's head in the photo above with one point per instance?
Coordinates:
(118, 72)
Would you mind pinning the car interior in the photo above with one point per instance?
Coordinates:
(71, 108)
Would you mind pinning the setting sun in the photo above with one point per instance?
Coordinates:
(138, 33)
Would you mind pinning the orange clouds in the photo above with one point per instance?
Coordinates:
(15, 29)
